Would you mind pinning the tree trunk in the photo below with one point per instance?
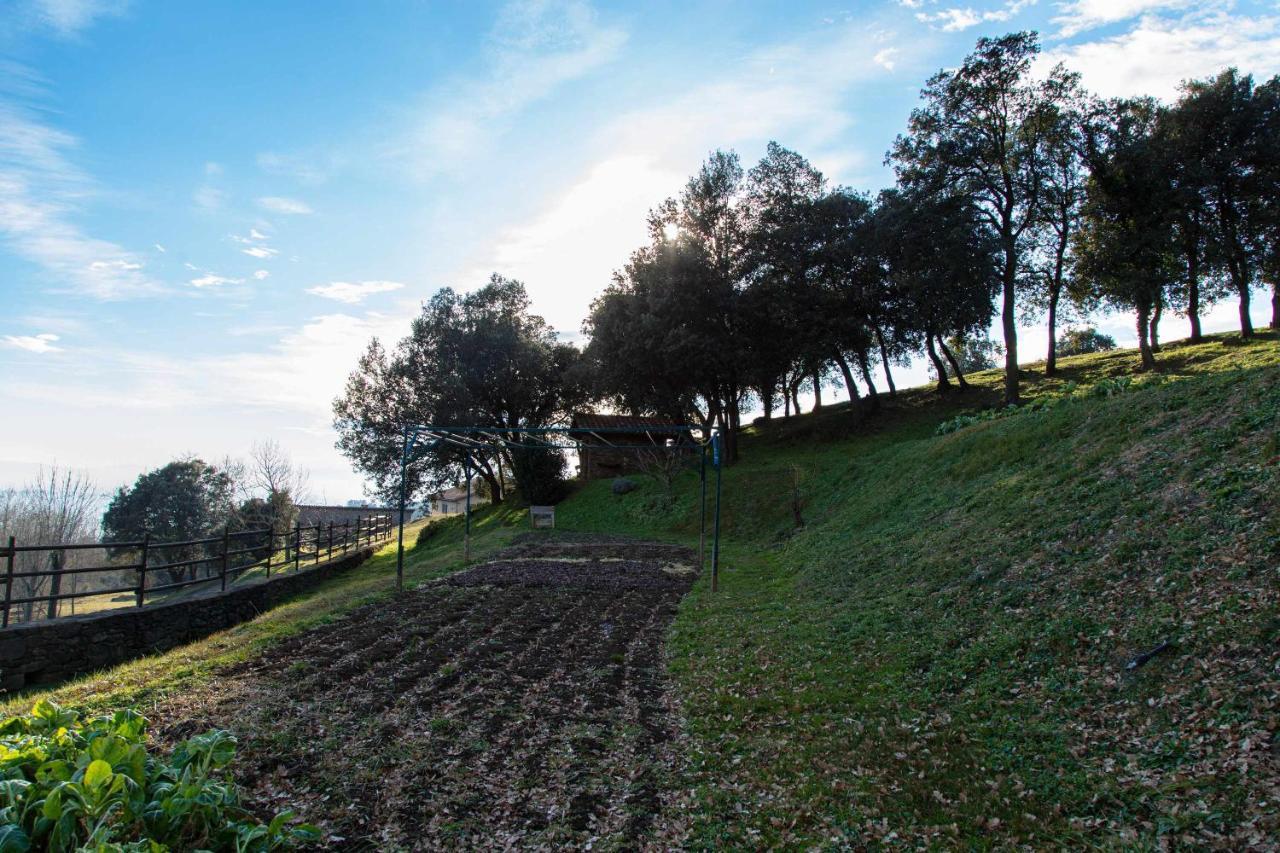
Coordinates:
(1155, 326)
(1051, 362)
(1144, 344)
(884, 359)
(786, 399)
(955, 364)
(850, 383)
(943, 384)
(1193, 294)
(766, 400)
(817, 390)
(865, 366)
(1275, 305)
(1246, 322)
(1009, 321)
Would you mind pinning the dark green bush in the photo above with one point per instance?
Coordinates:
(540, 474)
(72, 784)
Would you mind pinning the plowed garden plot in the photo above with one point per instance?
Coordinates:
(519, 703)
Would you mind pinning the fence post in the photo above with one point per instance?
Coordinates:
(57, 559)
(226, 548)
(142, 569)
(297, 545)
(356, 541)
(271, 545)
(317, 559)
(8, 578)
(330, 540)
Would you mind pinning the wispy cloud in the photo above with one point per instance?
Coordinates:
(534, 47)
(309, 170)
(261, 275)
(1157, 54)
(962, 18)
(353, 292)
(286, 206)
(32, 343)
(41, 192)
(794, 91)
(885, 58)
(261, 252)
(1077, 16)
(212, 280)
(67, 17)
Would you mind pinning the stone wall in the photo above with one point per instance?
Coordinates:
(42, 653)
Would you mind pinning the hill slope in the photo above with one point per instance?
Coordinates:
(940, 651)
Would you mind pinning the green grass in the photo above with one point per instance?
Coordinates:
(937, 655)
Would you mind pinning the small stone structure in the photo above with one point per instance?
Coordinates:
(42, 653)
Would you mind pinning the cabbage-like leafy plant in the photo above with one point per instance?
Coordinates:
(68, 783)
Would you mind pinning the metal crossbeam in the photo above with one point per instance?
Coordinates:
(494, 439)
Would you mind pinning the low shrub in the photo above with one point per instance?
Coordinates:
(73, 784)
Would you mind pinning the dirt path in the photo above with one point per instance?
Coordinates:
(522, 703)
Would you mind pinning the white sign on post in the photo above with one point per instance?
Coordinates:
(542, 516)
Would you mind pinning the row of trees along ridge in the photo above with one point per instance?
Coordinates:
(1017, 193)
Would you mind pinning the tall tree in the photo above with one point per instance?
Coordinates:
(1223, 115)
(982, 132)
(1265, 160)
(1062, 197)
(480, 359)
(668, 332)
(782, 301)
(941, 264)
(184, 500)
(1126, 248)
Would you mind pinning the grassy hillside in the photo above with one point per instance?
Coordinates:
(938, 653)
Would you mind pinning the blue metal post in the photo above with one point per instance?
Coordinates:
(466, 539)
(404, 462)
(716, 452)
(702, 523)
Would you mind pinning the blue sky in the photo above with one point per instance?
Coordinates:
(206, 210)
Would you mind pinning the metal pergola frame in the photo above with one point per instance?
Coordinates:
(475, 440)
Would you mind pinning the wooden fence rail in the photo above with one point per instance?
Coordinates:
(215, 560)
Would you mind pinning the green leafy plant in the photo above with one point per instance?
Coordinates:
(73, 784)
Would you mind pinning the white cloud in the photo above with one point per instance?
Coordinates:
(41, 192)
(211, 280)
(797, 92)
(118, 265)
(1080, 15)
(160, 249)
(261, 252)
(33, 343)
(208, 198)
(885, 58)
(955, 19)
(1157, 54)
(69, 17)
(353, 292)
(255, 234)
(534, 47)
(305, 170)
(261, 275)
(287, 206)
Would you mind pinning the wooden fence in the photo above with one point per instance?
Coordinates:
(130, 573)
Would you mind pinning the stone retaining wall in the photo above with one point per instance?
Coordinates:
(41, 653)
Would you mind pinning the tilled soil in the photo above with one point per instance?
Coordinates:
(521, 703)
